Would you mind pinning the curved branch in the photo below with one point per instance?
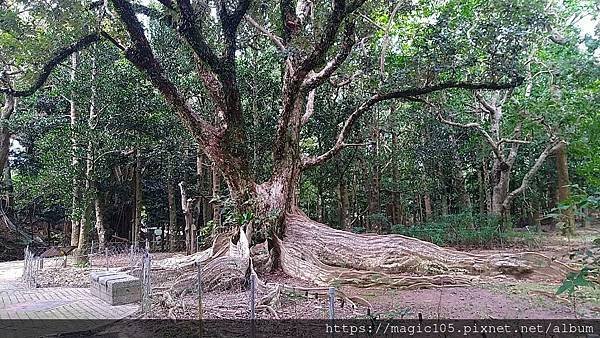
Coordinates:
(58, 57)
(480, 129)
(550, 148)
(310, 107)
(327, 39)
(274, 38)
(316, 79)
(143, 58)
(405, 94)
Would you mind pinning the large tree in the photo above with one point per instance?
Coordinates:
(315, 42)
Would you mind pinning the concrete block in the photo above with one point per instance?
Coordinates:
(115, 288)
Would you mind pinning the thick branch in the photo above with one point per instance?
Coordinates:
(327, 38)
(58, 57)
(274, 38)
(310, 107)
(188, 27)
(230, 23)
(550, 148)
(143, 58)
(514, 148)
(289, 20)
(480, 129)
(405, 94)
(316, 79)
(488, 107)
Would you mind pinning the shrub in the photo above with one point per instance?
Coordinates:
(458, 229)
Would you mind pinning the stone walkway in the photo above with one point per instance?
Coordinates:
(20, 303)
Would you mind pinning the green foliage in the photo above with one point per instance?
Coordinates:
(576, 280)
(459, 229)
(581, 202)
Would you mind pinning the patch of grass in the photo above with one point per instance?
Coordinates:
(531, 239)
(82, 264)
(458, 229)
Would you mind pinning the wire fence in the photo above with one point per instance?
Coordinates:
(31, 265)
(176, 292)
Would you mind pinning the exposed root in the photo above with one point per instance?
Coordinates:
(268, 309)
(327, 256)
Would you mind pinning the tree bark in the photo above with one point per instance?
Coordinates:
(172, 216)
(374, 184)
(464, 199)
(5, 133)
(100, 223)
(137, 220)
(564, 192)
(7, 110)
(427, 203)
(343, 204)
(482, 191)
(216, 192)
(396, 207)
(190, 227)
(90, 192)
(75, 165)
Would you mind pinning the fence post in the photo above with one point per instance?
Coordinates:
(252, 305)
(106, 257)
(331, 303)
(252, 296)
(131, 258)
(25, 265)
(146, 286)
(199, 267)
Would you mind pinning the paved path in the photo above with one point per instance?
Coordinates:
(18, 302)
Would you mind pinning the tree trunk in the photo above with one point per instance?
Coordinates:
(427, 203)
(396, 212)
(487, 187)
(90, 185)
(464, 200)
(190, 227)
(216, 192)
(501, 182)
(564, 193)
(100, 224)
(202, 200)
(343, 204)
(374, 202)
(7, 110)
(86, 221)
(75, 165)
(5, 114)
(7, 182)
(137, 221)
(172, 216)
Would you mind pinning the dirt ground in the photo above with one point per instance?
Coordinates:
(499, 298)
